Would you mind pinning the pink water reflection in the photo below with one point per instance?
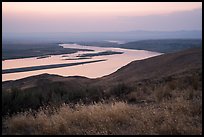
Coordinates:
(92, 70)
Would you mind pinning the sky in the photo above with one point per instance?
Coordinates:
(28, 17)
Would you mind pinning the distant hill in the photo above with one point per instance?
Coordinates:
(163, 45)
(156, 45)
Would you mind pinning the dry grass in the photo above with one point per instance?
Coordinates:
(178, 116)
(170, 108)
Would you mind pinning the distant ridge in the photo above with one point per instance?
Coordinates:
(163, 45)
(155, 45)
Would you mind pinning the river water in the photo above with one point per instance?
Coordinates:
(91, 70)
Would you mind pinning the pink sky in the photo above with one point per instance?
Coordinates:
(98, 8)
(84, 16)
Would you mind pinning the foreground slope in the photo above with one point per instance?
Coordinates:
(48, 89)
(159, 95)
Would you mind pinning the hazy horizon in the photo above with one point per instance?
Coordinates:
(104, 31)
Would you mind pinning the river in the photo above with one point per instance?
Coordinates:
(90, 70)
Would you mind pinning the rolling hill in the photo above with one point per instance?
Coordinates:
(166, 88)
(157, 67)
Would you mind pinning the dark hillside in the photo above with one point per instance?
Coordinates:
(159, 66)
(52, 89)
